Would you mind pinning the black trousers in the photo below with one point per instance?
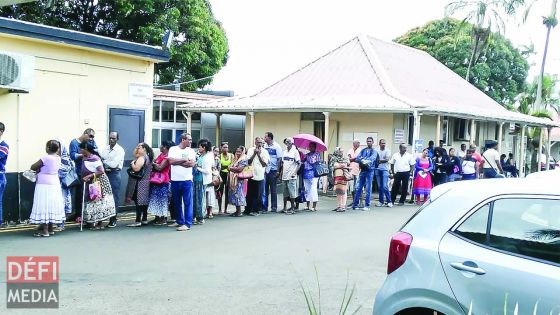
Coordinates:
(255, 191)
(400, 184)
(141, 213)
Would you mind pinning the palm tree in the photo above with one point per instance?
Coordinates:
(549, 22)
(486, 16)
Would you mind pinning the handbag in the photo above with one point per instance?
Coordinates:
(94, 190)
(30, 175)
(246, 173)
(139, 174)
(157, 178)
(216, 178)
(320, 169)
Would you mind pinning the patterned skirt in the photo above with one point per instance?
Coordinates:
(159, 200)
(103, 208)
(237, 197)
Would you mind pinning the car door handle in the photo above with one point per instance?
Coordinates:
(468, 266)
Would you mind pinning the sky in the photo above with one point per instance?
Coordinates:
(269, 39)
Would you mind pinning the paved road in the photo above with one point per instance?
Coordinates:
(248, 265)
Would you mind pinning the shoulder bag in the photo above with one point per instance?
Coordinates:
(320, 169)
(246, 173)
(94, 189)
(137, 175)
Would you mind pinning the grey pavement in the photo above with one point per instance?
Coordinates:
(248, 265)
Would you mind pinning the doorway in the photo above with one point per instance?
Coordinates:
(129, 123)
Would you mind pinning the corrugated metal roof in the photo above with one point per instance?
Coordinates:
(368, 74)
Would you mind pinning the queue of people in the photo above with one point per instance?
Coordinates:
(182, 187)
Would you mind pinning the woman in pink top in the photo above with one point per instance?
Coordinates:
(159, 185)
(48, 205)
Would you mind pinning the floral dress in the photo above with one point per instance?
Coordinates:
(159, 193)
(236, 185)
(104, 207)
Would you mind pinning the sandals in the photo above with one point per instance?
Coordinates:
(236, 215)
(41, 235)
(340, 210)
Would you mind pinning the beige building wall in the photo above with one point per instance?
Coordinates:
(282, 125)
(73, 89)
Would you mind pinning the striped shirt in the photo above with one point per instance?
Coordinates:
(4, 151)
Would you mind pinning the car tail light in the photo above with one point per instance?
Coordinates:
(398, 250)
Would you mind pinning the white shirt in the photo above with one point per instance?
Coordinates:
(207, 163)
(113, 158)
(290, 163)
(178, 172)
(491, 155)
(402, 163)
(275, 154)
(461, 154)
(259, 169)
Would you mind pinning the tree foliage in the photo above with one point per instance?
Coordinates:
(500, 70)
(200, 48)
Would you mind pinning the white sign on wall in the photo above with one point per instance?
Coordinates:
(140, 94)
(399, 136)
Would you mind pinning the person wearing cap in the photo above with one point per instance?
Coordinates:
(289, 166)
(492, 168)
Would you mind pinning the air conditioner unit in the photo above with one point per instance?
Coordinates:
(16, 71)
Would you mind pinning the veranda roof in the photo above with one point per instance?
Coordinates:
(370, 75)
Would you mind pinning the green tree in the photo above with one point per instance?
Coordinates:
(500, 70)
(486, 16)
(199, 49)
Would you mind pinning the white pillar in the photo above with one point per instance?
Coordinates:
(548, 148)
(188, 116)
(521, 165)
(500, 136)
(252, 130)
(327, 119)
(473, 131)
(438, 130)
(416, 131)
(539, 152)
(218, 128)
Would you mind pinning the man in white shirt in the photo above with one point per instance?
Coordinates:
(258, 159)
(113, 159)
(492, 167)
(289, 166)
(182, 158)
(354, 167)
(402, 164)
(275, 152)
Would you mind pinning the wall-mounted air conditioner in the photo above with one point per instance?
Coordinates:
(16, 71)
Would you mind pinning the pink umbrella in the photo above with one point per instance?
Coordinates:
(303, 140)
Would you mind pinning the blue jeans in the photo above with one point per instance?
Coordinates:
(2, 188)
(382, 177)
(491, 173)
(182, 192)
(366, 178)
(270, 189)
(115, 181)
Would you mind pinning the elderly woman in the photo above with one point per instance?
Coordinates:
(102, 207)
(235, 184)
(159, 185)
(138, 189)
(48, 205)
(340, 165)
(309, 179)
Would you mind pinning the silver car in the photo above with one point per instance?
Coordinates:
(478, 247)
